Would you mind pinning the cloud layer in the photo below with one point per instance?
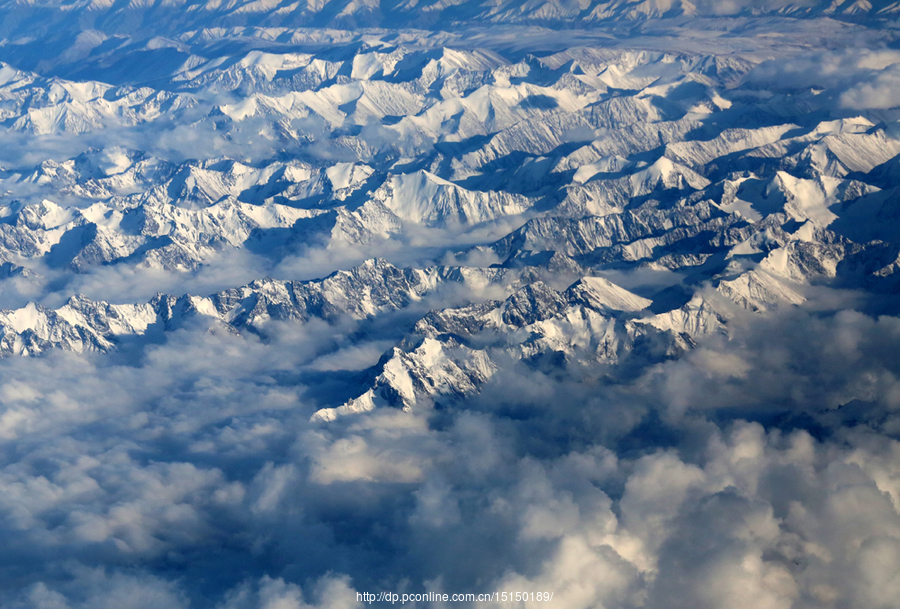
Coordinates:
(194, 478)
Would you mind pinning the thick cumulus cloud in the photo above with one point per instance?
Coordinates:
(189, 475)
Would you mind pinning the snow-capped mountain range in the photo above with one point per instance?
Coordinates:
(560, 167)
(118, 18)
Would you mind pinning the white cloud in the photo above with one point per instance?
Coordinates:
(329, 592)
(854, 79)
